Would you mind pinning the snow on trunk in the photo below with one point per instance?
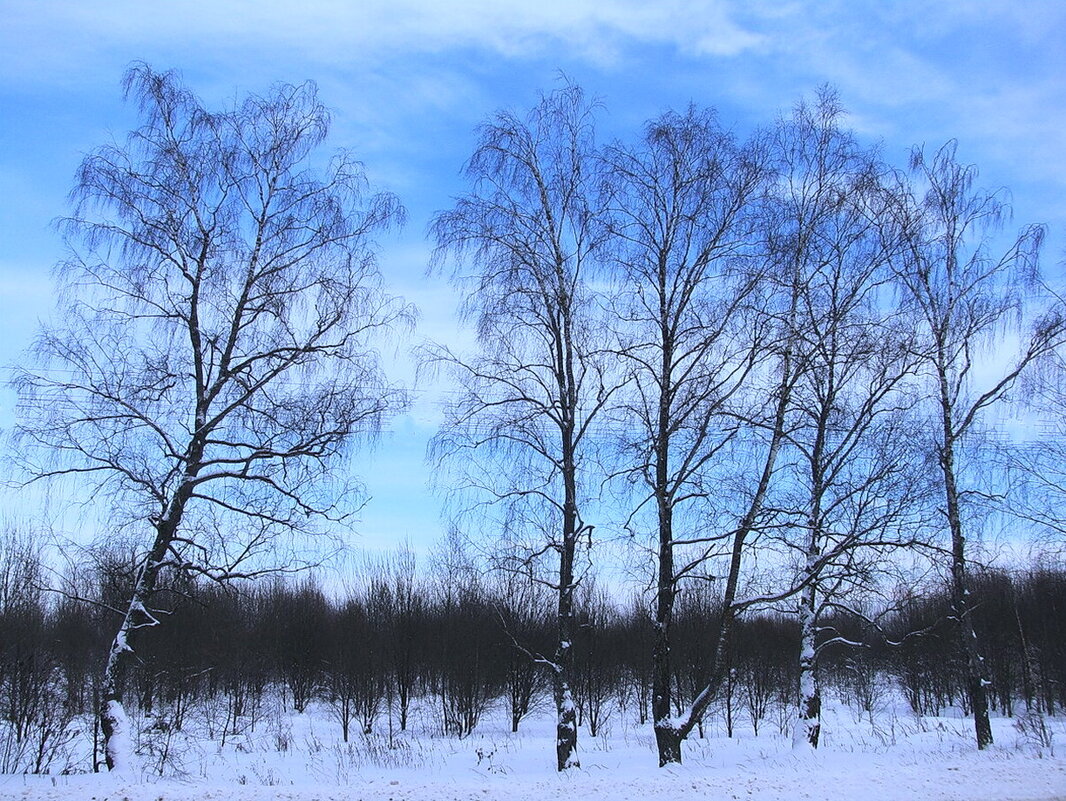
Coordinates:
(121, 755)
(808, 719)
(116, 727)
(566, 743)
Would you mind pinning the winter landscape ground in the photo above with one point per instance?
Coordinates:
(891, 755)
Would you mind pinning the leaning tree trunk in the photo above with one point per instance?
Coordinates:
(119, 737)
(114, 723)
(670, 734)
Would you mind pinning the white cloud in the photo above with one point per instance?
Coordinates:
(46, 39)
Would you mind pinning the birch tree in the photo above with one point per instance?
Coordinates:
(215, 354)
(846, 434)
(682, 226)
(735, 518)
(521, 434)
(812, 233)
(964, 293)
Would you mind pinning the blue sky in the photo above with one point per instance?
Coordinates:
(408, 80)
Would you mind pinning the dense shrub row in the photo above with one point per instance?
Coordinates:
(454, 643)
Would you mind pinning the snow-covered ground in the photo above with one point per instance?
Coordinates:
(290, 757)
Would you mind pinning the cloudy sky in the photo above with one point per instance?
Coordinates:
(409, 79)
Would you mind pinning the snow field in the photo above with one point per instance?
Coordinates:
(888, 756)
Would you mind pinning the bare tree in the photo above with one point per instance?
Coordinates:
(812, 232)
(523, 605)
(521, 432)
(597, 657)
(963, 296)
(682, 226)
(215, 355)
(34, 711)
(356, 672)
(402, 602)
(847, 486)
(465, 671)
(794, 214)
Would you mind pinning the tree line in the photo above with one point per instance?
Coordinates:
(768, 350)
(763, 367)
(408, 648)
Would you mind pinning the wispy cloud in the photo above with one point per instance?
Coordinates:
(58, 36)
(988, 72)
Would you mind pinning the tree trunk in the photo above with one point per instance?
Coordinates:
(668, 741)
(808, 723)
(115, 725)
(976, 678)
(667, 738)
(566, 727)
